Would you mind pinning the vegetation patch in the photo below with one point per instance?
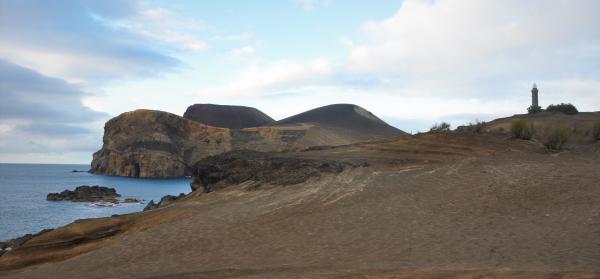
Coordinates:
(440, 128)
(521, 129)
(564, 108)
(477, 127)
(596, 131)
(556, 136)
(534, 109)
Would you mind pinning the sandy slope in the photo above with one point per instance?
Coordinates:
(430, 206)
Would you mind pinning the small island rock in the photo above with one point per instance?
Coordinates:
(86, 194)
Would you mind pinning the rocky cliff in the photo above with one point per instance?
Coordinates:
(146, 143)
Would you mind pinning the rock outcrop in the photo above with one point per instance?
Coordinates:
(156, 144)
(164, 201)
(15, 243)
(147, 143)
(233, 117)
(86, 194)
(244, 165)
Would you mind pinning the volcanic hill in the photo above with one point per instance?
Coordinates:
(233, 117)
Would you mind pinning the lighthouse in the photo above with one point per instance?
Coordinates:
(534, 96)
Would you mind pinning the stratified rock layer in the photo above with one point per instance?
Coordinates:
(146, 143)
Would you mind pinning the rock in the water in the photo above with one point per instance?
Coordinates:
(86, 194)
(130, 200)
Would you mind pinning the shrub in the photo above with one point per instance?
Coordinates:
(440, 127)
(596, 131)
(534, 109)
(564, 108)
(555, 137)
(477, 127)
(521, 129)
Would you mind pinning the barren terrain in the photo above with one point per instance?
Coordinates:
(455, 205)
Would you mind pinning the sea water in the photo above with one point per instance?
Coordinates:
(23, 190)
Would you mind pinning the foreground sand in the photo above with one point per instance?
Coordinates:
(431, 206)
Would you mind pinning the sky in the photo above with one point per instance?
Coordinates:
(66, 67)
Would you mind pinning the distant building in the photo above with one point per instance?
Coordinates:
(534, 97)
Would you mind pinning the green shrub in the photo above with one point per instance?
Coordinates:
(440, 127)
(534, 109)
(596, 131)
(564, 108)
(477, 127)
(555, 137)
(521, 129)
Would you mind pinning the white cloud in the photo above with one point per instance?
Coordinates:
(245, 50)
(279, 76)
(309, 5)
(233, 37)
(447, 60)
(465, 36)
(169, 27)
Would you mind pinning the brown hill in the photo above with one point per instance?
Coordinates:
(233, 117)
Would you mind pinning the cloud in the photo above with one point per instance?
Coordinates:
(283, 75)
(83, 41)
(169, 27)
(245, 50)
(447, 60)
(27, 94)
(309, 5)
(459, 38)
(39, 114)
(242, 37)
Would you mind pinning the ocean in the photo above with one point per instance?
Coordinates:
(23, 190)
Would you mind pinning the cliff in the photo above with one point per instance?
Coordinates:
(146, 143)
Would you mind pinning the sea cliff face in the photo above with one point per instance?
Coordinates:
(147, 143)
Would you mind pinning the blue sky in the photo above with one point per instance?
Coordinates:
(68, 66)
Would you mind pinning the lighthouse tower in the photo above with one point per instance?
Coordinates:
(534, 96)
